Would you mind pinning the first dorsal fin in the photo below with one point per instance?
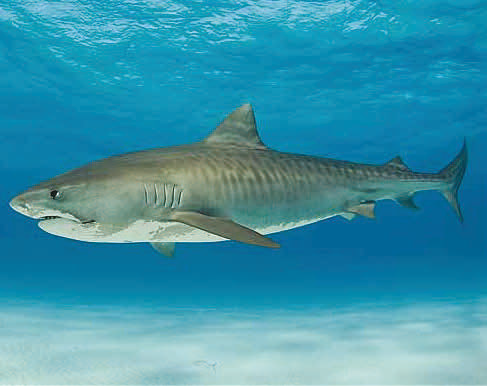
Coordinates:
(397, 163)
(238, 129)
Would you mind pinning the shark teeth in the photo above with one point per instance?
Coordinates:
(49, 217)
(65, 216)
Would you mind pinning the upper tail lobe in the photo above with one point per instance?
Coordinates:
(453, 174)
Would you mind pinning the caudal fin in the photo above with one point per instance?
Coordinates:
(453, 175)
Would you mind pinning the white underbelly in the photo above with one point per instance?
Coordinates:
(148, 231)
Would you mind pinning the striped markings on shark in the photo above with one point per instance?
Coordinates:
(230, 186)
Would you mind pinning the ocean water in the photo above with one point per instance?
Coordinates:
(398, 300)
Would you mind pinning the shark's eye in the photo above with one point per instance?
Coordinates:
(55, 194)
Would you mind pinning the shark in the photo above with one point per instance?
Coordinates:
(228, 186)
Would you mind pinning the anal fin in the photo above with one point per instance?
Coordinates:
(407, 201)
(366, 209)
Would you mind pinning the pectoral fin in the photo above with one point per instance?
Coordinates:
(167, 249)
(223, 227)
(364, 209)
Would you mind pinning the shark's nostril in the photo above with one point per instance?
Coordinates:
(15, 203)
(19, 205)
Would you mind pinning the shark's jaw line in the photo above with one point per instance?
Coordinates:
(46, 214)
(55, 215)
(70, 218)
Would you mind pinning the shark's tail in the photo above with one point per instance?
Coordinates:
(452, 174)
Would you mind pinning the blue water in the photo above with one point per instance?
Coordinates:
(401, 299)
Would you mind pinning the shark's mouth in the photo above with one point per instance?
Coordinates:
(71, 218)
(45, 215)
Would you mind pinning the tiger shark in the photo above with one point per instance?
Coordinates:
(229, 186)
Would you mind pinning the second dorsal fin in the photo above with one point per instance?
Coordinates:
(238, 129)
(397, 163)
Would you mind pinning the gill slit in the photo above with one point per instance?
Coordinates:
(163, 195)
(163, 191)
(156, 196)
(146, 195)
(173, 205)
(180, 196)
(168, 197)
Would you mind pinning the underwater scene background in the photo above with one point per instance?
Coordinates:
(397, 300)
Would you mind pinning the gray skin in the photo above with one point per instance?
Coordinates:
(229, 186)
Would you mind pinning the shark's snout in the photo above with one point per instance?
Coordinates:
(31, 206)
(20, 205)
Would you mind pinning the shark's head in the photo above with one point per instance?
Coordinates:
(77, 200)
(44, 202)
